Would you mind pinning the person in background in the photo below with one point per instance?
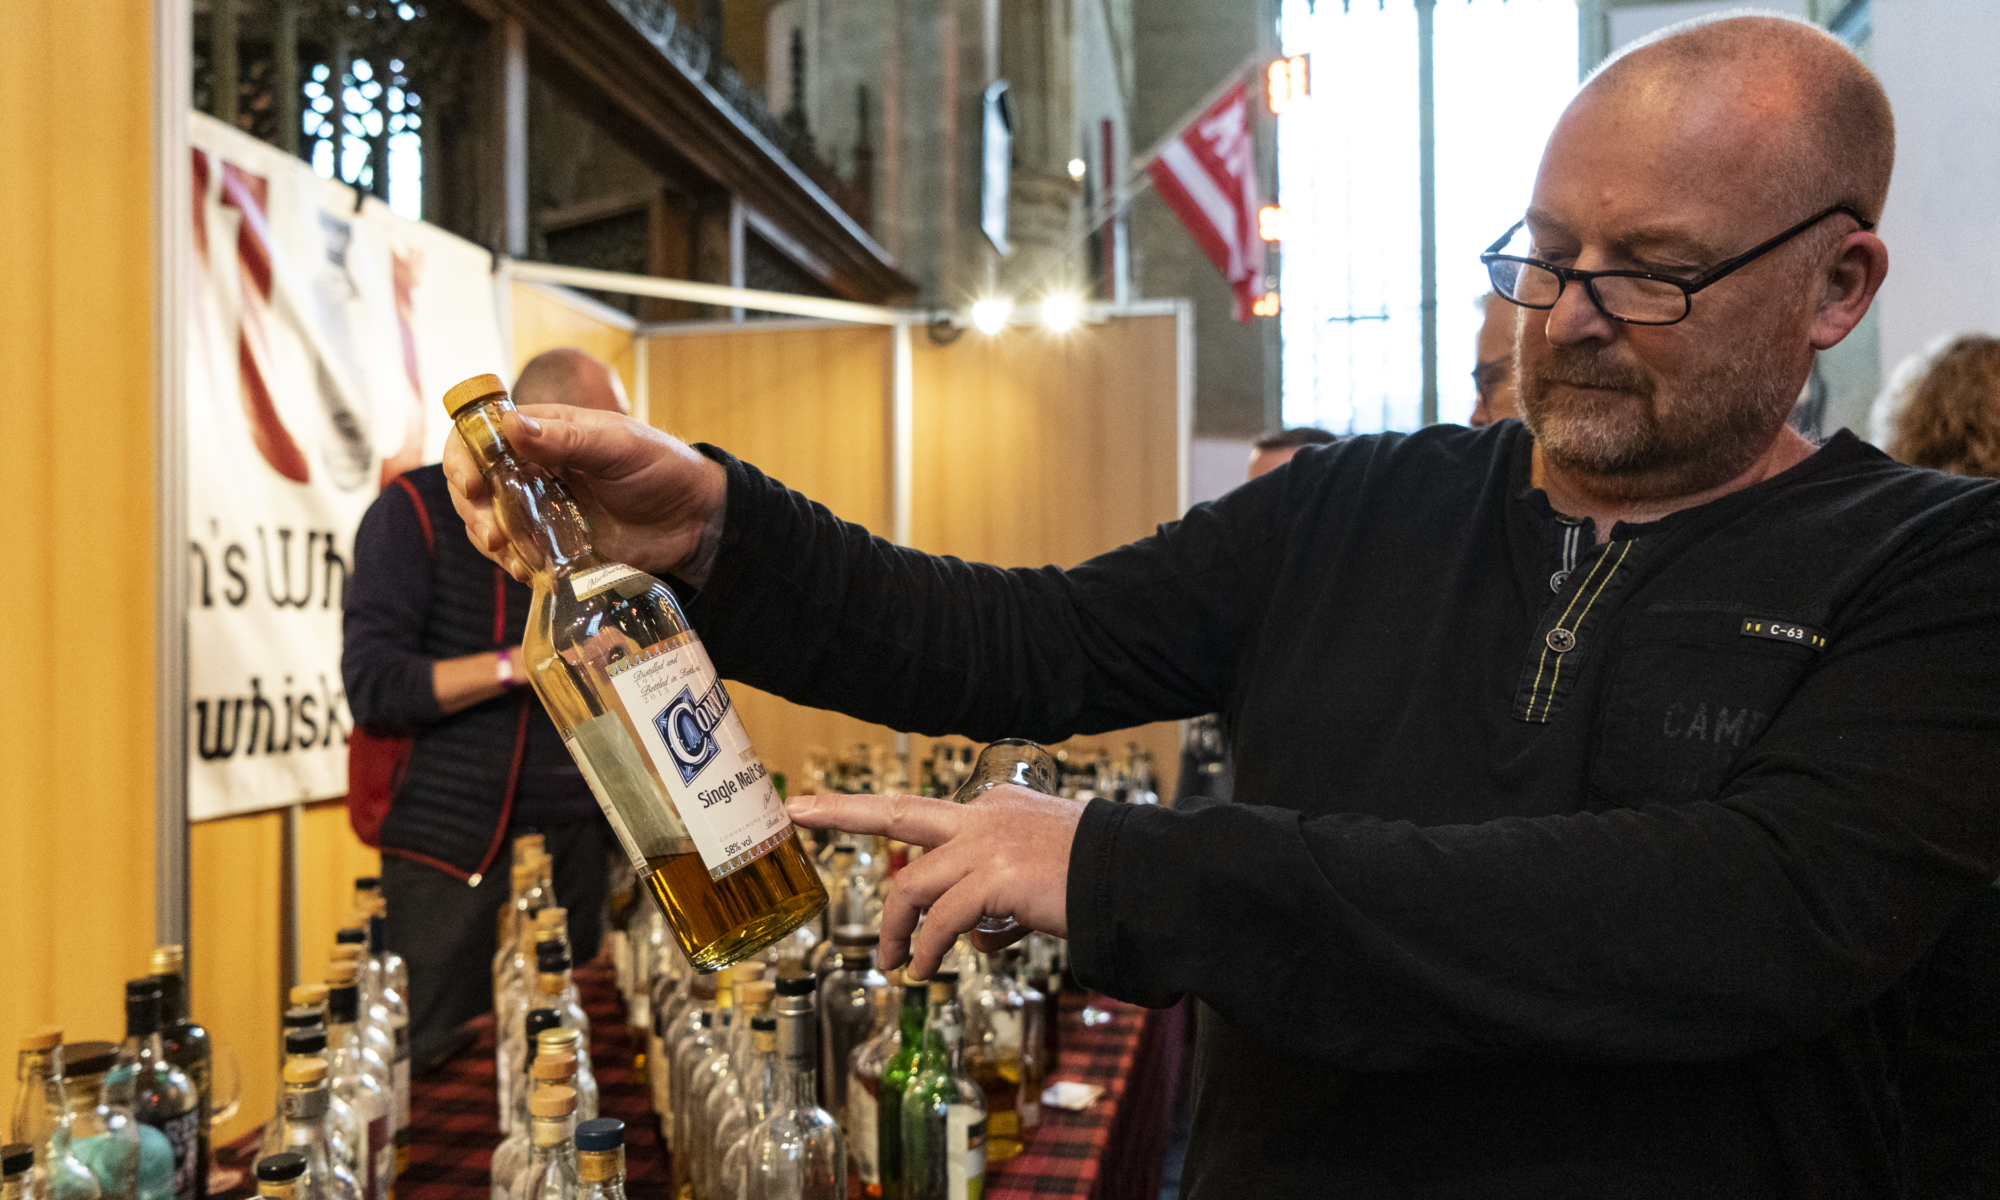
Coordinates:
(1493, 373)
(1205, 766)
(432, 651)
(1944, 413)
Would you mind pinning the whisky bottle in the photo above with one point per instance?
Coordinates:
(303, 1127)
(546, 1068)
(185, 1043)
(131, 1161)
(847, 998)
(632, 692)
(796, 1152)
(163, 1097)
(944, 1114)
(600, 1159)
(43, 1121)
(1000, 1055)
(875, 1094)
(551, 1169)
(357, 1078)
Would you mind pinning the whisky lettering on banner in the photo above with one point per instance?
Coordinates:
(630, 688)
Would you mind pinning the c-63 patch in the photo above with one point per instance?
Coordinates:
(1784, 631)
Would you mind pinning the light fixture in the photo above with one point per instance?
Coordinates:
(1288, 81)
(1265, 305)
(1077, 168)
(990, 315)
(1271, 223)
(1061, 311)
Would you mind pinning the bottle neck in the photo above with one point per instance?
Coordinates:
(605, 1168)
(535, 511)
(173, 1000)
(82, 1093)
(553, 1137)
(941, 1033)
(795, 1084)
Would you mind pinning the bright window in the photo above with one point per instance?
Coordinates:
(1347, 177)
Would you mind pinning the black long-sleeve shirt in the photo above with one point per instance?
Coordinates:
(1552, 870)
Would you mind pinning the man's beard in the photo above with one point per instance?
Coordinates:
(1640, 441)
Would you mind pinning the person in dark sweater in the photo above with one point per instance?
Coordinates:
(1600, 777)
(432, 649)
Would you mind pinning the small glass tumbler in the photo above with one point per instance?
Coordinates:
(1023, 764)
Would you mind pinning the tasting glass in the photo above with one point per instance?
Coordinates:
(1009, 761)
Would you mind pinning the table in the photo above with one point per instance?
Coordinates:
(1111, 1151)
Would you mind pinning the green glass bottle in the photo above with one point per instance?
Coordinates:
(943, 1111)
(889, 1097)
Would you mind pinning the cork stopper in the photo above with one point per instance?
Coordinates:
(341, 974)
(468, 392)
(755, 994)
(346, 952)
(529, 841)
(309, 994)
(766, 1040)
(941, 991)
(550, 1102)
(552, 919)
(48, 1037)
(168, 960)
(305, 1070)
(523, 874)
(553, 1067)
(746, 972)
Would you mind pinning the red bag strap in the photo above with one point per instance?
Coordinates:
(423, 512)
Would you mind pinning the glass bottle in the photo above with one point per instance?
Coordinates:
(796, 1152)
(1000, 1056)
(43, 1121)
(163, 1097)
(847, 1010)
(943, 1113)
(682, 1027)
(186, 1043)
(627, 683)
(303, 1128)
(546, 1068)
(885, 1115)
(555, 990)
(132, 1161)
(388, 987)
(282, 1176)
(864, 1087)
(752, 1104)
(600, 1159)
(512, 916)
(516, 998)
(357, 1078)
(551, 1170)
(17, 1167)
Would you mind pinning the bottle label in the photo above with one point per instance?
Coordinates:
(1006, 1026)
(697, 744)
(596, 580)
(965, 1152)
(183, 1133)
(863, 1130)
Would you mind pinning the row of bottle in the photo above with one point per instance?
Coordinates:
(533, 990)
(345, 1097)
(1084, 773)
(119, 1121)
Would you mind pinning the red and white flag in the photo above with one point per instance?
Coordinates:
(1208, 176)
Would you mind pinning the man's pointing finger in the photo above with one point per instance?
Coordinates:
(920, 820)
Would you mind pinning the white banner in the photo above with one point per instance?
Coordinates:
(322, 338)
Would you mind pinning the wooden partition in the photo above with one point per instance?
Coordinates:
(1030, 448)
(77, 733)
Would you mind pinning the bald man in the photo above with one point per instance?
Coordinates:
(1600, 777)
(432, 651)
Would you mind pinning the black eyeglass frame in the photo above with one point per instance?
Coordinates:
(1688, 287)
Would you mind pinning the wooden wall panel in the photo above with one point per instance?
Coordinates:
(330, 857)
(76, 335)
(234, 907)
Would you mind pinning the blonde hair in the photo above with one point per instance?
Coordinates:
(1945, 413)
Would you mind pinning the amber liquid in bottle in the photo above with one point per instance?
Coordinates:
(632, 692)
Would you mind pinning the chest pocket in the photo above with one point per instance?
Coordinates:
(1688, 694)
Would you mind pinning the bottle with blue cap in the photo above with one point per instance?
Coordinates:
(600, 1159)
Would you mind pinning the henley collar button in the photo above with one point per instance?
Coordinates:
(1562, 641)
(1557, 580)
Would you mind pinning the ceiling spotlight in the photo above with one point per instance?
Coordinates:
(1077, 168)
(1061, 312)
(990, 315)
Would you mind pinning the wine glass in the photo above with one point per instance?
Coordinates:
(1013, 761)
(225, 1100)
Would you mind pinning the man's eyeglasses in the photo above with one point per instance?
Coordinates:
(1634, 297)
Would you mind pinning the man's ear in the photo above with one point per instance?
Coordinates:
(1860, 265)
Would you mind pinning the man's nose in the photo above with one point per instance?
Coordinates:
(1576, 318)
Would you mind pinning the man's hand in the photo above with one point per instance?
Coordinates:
(653, 502)
(1006, 853)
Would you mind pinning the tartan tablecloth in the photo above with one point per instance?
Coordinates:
(1110, 1151)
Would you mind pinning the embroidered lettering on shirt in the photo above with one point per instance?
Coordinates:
(1784, 631)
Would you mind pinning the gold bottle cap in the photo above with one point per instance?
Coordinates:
(755, 994)
(168, 960)
(552, 1102)
(341, 973)
(552, 918)
(471, 391)
(309, 993)
(549, 985)
(48, 1037)
(940, 990)
(557, 1041)
(305, 1070)
(527, 840)
(553, 1066)
(523, 875)
(346, 952)
(766, 1040)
